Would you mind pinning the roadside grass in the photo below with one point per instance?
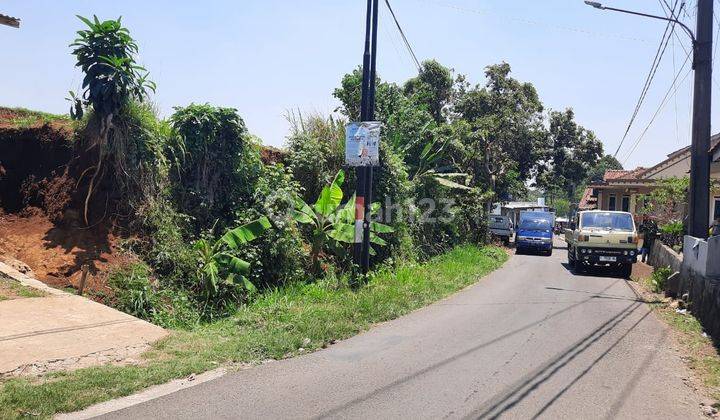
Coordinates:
(698, 350)
(285, 322)
(700, 353)
(10, 289)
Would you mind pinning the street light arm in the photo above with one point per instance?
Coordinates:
(601, 7)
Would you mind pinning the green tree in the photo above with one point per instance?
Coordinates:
(574, 152)
(105, 52)
(502, 138)
(432, 88)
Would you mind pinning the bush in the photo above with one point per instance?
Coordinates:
(219, 168)
(316, 151)
(279, 256)
(138, 294)
(672, 233)
(658, 279)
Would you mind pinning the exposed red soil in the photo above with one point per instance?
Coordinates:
(56, 253)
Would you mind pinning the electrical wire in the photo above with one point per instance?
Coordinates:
(402, 34)
(651, 75)
(668, 94)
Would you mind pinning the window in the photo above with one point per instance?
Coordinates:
(716, 209)
(607, 220)
(611, 202)
(625, 203)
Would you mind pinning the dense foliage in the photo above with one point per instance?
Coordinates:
(213, 223)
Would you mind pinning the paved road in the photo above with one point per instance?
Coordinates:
(531, 340)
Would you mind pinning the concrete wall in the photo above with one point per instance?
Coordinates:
(662, 255)
(700, 279)
(702, 256)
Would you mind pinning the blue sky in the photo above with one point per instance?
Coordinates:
(267, 57)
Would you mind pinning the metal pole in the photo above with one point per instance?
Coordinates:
(365, 261)
(365, 111)
(699, 194)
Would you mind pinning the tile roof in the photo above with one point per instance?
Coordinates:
(612, 174)
(588, 201)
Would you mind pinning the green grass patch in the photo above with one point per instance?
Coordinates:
(10, 289)
(699, 351)
(26, 118)
(275, 325)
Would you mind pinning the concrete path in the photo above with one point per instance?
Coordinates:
(532, 340)
(63, 331)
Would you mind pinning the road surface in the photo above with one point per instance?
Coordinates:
(531, 340)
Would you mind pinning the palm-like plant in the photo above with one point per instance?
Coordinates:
(217, 263)
(105, 53)
(331, 222)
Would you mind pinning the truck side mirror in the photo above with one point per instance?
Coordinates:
(572, 226)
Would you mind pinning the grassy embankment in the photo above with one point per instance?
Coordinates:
(277, 324)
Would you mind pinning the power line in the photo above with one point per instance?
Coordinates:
(402, 34)
(674, 85)
(651, 75)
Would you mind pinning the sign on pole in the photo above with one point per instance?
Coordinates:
(362, 143)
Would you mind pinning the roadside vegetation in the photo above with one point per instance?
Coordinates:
(283, 322)
(248, 258)
(10, 289)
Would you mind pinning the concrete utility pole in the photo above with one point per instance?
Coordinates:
(699, 197)
(363, 197)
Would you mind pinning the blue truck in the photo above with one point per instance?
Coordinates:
(535, 232)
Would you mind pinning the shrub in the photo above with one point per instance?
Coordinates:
(279, 256)
(133, 291)
(219, 168)
(316, 151)
(137, 294)
(658, 279)
(672, 233)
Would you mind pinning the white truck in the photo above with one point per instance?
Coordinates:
(602, 238)
(502, 227)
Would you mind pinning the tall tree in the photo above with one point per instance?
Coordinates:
(506, 136)
(432, 88)
(574, 152)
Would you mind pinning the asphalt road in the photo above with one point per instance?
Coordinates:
(531, 340)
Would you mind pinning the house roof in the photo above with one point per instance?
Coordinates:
(588, 201)
(612, 174)
(682, 152)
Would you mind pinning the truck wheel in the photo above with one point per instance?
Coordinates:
(549, 253)
(626, 270)
(571, 260)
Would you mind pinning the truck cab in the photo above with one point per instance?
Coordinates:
(602, 238)
(535, 232)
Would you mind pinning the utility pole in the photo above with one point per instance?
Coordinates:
(699, 191)
(699, 194)
(363, 195)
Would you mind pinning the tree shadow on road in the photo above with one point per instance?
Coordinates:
(334, 412)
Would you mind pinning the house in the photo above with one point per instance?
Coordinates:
(513, 209)
(621, 189)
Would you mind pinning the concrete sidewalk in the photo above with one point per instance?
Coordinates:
(63, 331)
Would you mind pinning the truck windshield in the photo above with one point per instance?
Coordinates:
(610, 221)
(535, 224)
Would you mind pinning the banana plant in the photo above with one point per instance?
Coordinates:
(218, 264)
(331, 222)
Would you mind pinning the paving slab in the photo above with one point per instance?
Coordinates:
(65, 331)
